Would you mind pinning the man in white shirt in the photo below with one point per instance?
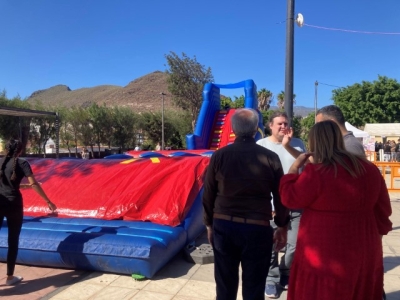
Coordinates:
(287, 148)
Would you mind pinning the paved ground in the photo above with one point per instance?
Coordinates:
(178, 280)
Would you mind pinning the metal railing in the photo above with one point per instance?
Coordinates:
(391, 173)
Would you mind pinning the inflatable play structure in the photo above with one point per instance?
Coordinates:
(122, 216)
(213, 128)
(129, 214)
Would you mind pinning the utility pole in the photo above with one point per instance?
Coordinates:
(162, 121)
(316, 101)
(289, 60)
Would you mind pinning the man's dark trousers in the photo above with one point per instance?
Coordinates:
(248, 244)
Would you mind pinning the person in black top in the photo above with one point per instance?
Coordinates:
(386, 149)
(238, 185)
(13, 170)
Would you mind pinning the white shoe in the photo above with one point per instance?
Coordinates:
(15, 280)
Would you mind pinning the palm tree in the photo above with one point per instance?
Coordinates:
(281, 99)
(264, 99)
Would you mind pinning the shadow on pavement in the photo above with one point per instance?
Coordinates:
(31, 286)
(390, 262)
(393, 295)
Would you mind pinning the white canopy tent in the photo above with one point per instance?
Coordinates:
(358, 133)
(383, 129)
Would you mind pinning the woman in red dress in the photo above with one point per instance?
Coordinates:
(346, 211)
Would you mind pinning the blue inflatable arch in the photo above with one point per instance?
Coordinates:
(212, 104)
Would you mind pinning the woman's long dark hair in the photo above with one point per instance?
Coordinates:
(13, 149)
(326, 142)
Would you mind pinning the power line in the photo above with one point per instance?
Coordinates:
(284, 21)
(341, 87)
(346, 30)
(352, 31)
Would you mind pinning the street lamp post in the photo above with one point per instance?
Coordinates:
(289, 60)
(316, 101)
(162, 121)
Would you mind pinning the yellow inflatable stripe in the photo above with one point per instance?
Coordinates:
(129, 161)
(155, 160)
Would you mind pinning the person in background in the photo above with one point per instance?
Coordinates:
(13, 170)
(392, 151)
(334, 113)
(378, 147)
(238, 185)
(397, 151)
(288, 149)
(85, 153)
(387, 151)
(158, 147)
(346, 209)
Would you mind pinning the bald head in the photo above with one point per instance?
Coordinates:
(245, 122)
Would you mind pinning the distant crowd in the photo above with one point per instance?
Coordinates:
(390, 149)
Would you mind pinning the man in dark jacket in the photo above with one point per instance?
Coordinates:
(237, 208)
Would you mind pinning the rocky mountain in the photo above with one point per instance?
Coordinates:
(299, 110)
(142, 94)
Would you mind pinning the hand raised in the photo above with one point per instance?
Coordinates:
(288, 134)
(301, 160)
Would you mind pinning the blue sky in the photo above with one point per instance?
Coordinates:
(94, 42)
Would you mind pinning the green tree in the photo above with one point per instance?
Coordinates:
(181, 122)
(77, 118)
(151, 124)
(226, 102)
(264, 99)
(66, 132)
(296, 125)
(370, 102)
(125, 122)
(42, 129)
(176, 126)
(281, 100)
(238, 102)
(11, 126)
(266, 115)
(100, 120)
(108, 126)
(186, 80)
(86, 128)
(306, 124)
